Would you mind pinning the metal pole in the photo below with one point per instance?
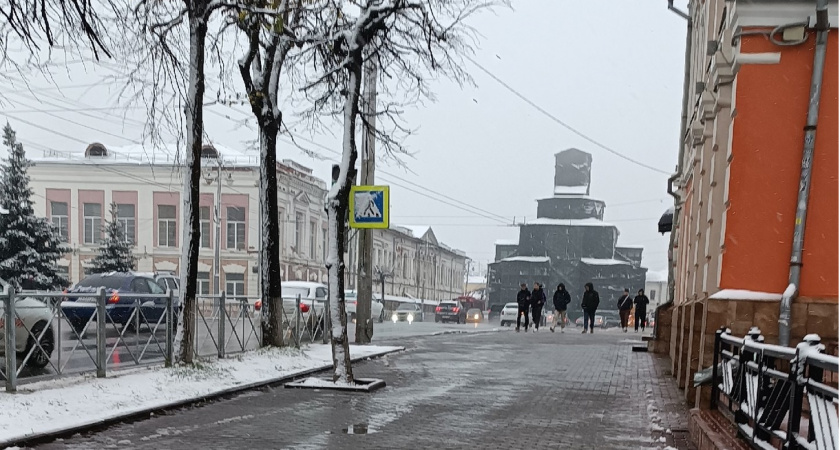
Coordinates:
(821, 27)
(217, 248)
(715, 371)
(297, 321)
(364, 289)
(222, 299)
(170, 322)
(11, 352)
(101, 321)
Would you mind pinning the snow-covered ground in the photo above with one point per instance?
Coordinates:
(72, 402)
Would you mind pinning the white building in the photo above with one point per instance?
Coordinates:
(656, 288)
(421, 267)
(75, 189)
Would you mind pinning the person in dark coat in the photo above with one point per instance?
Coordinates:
(537, 303)
(523, 299)
(561, 303)
(625, 304)
(641, 301)
(590, 303)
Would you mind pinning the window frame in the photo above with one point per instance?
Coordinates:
(61, 221)
(92, 224)
(237, 227)
(170, 225)
(128, 223)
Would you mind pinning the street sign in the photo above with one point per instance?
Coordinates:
(369, 207)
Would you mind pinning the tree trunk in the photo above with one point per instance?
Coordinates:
(270, 249)
(191, 234)
(337, 205)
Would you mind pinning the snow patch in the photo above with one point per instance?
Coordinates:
(528, 259)
(740, 294)
(590, 222)
(604, 262)
(506, 242)
(573, 190)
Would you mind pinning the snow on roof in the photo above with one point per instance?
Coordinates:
(741, 294)
(592, 222)
(631, 246)
(578, 196)
(166, 154)
(477, 279)
(579, 190)
(506, 242)
(656, 276)
(528, 259)
(603, 262)
(417, 231)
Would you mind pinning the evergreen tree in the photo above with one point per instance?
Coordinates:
(29, 245)
(115, 252)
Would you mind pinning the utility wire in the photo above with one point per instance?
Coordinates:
(560, 122)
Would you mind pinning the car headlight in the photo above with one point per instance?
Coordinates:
(410, 317)
(476, 316)
(394, 317)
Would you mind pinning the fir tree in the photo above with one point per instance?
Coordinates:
(29, 245)
(115, 252)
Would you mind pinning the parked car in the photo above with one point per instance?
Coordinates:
(579, 321)
(377, 309)
(313, 298)
(408, 312)
(599, 321)
(120, 288)
(34, 322)
(508, 314)
(451, 311)
(167, 280)
(611, 319)
(475, 315)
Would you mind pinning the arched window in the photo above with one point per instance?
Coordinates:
(96, 149)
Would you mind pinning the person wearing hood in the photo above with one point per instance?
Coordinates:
(561, 303)
(537, 302)
(625, 304)
(641, 301)
(589, 304)
(523, 299)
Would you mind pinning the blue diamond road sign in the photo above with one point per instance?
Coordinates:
(369, 207)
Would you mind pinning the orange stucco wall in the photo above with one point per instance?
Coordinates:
(767, 138)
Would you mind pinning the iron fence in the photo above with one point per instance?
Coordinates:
(777, 396)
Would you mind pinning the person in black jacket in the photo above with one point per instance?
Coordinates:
(590, 303)
(537, 302)
(625, 304)
(561, 303)
(523, 299)
(641, 301)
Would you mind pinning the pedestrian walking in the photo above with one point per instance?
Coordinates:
(561, 303)
(537, 303)
(523, 299)
(641, 301)
(590, 303)
(625, 304)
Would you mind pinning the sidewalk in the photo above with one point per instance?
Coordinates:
(79, 402)
(500, 390)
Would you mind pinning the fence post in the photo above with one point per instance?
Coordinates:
(11, 349)
(221, 332)
(795, 410)
(814, 373)
(715, 372)
(101, 321)
(297, 321)
(170, 322)
(327, 319)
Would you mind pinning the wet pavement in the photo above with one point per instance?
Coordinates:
(495, 390)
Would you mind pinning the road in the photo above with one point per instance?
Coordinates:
(496, 390)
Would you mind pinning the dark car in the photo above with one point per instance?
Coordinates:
(120, 288)
(451, 311)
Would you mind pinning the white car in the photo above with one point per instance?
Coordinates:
(313, 297)
(508, 314)
(377, 310)
(34, 316)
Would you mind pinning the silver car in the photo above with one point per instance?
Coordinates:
(34, 320)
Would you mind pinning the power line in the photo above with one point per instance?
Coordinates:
(562, 123)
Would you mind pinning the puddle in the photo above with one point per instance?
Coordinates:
(359, 428)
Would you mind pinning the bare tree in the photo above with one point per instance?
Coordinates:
(411, 41)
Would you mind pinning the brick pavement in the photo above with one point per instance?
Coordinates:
(489, 391)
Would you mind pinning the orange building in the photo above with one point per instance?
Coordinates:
(749, 76)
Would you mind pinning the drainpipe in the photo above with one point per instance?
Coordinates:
(792, 291)
(681, 153)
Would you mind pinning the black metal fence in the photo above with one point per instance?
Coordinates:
(778, 397)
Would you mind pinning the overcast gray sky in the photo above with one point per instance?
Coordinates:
(610, 69)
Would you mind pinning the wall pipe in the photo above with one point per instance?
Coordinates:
(681, 152)
(821, 27)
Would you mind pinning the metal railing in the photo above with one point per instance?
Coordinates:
(50, 333)
(226, 325)
(777, 396)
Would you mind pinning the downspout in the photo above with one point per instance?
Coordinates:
(681, 153)
(821, 27)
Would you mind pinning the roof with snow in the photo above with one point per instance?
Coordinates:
(567, 190)
(604, 262)
(657, 276)
(527, 259)
(506, 242)
(591, 222)
(165, 154)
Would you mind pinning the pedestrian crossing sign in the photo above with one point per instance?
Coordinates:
(369, 207)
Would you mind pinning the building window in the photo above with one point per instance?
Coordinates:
(59, 217)
(203, 283)
(234, 285)
(167, 227)
(652, 294)
(299, 232)
(128, 221)
(313, 240)
(405, 266)
(236, 228)
(93, 222)
(204, 211)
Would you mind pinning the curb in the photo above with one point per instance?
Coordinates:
(41, 438)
